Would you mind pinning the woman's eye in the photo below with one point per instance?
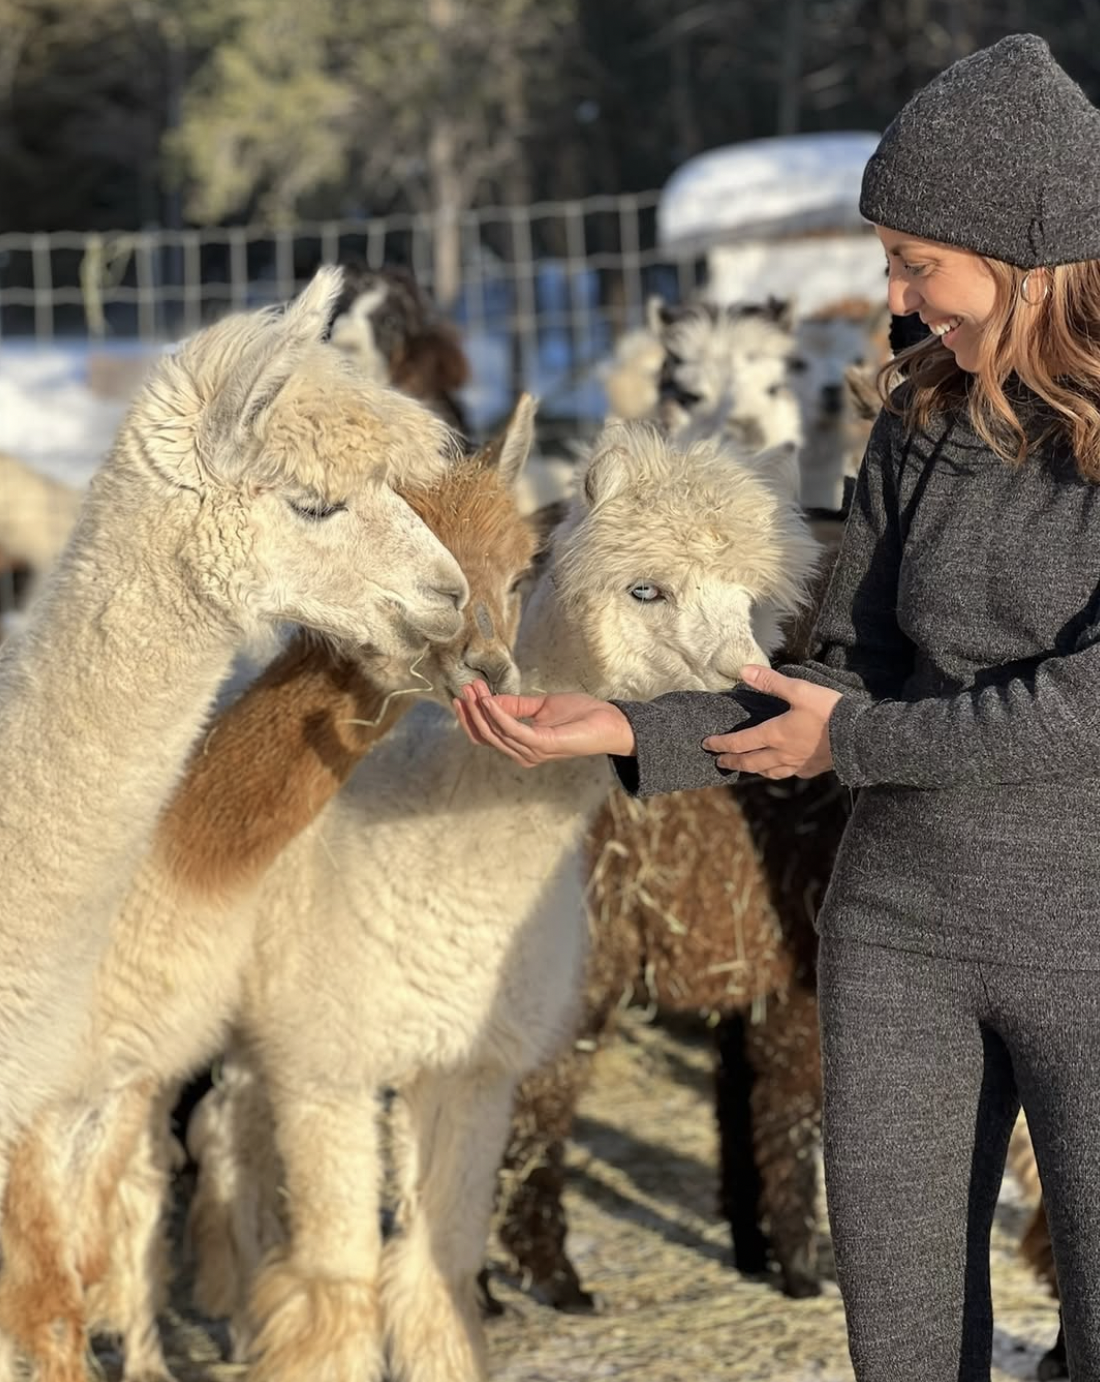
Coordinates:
(915, 269)
(646, 592)
(316, 510)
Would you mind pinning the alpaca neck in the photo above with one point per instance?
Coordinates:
(550, 650)
(823, 465)
(100, 699)
(269, 765)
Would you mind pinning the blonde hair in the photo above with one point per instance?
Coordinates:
(1052, 347)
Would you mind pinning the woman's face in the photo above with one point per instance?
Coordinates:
(951, 290)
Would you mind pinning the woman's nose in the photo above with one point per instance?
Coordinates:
(902, 297)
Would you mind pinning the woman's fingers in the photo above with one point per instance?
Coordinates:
(757, 761)
(479, 728)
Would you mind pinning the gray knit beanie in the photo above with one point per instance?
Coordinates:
(999, 154)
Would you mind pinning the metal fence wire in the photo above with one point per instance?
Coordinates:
(546, 288)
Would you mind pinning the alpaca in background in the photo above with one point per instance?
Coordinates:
(386, 323)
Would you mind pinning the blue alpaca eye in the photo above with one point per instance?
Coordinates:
(646, 592)
(317, 510)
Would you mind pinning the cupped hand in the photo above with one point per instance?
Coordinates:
(794, 744)
(542, 729)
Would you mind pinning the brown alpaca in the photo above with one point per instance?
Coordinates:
(702, 903)
(80, 1231)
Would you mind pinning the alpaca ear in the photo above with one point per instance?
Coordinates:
(508, 451)
(781, 311)
(607, 471)
(259, 377)
(655, 313)
(778, 467)
(305, 321)
(307, 318)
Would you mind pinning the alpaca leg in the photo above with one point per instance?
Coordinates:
(533, 1224)
(41, 1291)
(234, 1216)
(450, 1133)
(135, 1288)
(739, 1176)
(1053, 1363)
(785, 1056)
(314, 1304)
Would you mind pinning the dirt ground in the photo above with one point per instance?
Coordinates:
(645, 1236)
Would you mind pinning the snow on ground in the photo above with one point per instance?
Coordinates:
(53, 419)
(49, 415)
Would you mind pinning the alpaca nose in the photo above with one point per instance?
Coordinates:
(496, 669)
(832, 398)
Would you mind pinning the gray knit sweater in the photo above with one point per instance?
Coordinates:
(962, 625)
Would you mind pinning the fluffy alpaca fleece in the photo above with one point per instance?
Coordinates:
(368, 973)
(691, 929)
(630, 378)
(388, 325)
(84, 1201)
(192, 536)
(729, 370)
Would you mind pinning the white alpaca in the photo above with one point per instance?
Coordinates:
(630, 377)
(249, 483)
(830, 344)
(81, 1222)
(428, 932)
(732, 367)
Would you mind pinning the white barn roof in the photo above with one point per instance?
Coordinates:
(786, 185)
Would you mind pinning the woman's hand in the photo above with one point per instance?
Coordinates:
(795, 744)
(568, 725)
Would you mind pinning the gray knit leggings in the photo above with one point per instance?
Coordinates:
(925, 1063)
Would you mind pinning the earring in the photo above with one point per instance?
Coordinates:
(1026, 296)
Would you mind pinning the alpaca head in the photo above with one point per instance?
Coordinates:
(276, 463)
(677, 564)
(730, 367)
(630, 377)
(473, 510)
(388, 326)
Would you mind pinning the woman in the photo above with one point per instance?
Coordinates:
(957, 682)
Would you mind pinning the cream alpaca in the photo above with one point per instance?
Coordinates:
(428, 931)
(201, 526)
(86, 1188)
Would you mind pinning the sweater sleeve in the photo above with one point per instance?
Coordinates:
(669, 733)
(1037, 725)
(858, 648)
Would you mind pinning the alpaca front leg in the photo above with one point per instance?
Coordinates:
(533, 1225)
(41, 1291)
(449, 1135)
(135, 1288)
(235, 1212)
(314, 1305)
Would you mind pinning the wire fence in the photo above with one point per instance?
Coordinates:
(541, 291)
(540, 294)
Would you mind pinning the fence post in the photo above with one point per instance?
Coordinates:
(42, 272)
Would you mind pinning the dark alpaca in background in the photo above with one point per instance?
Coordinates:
(386, 320)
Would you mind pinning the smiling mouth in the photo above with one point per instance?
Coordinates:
(945, 328)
